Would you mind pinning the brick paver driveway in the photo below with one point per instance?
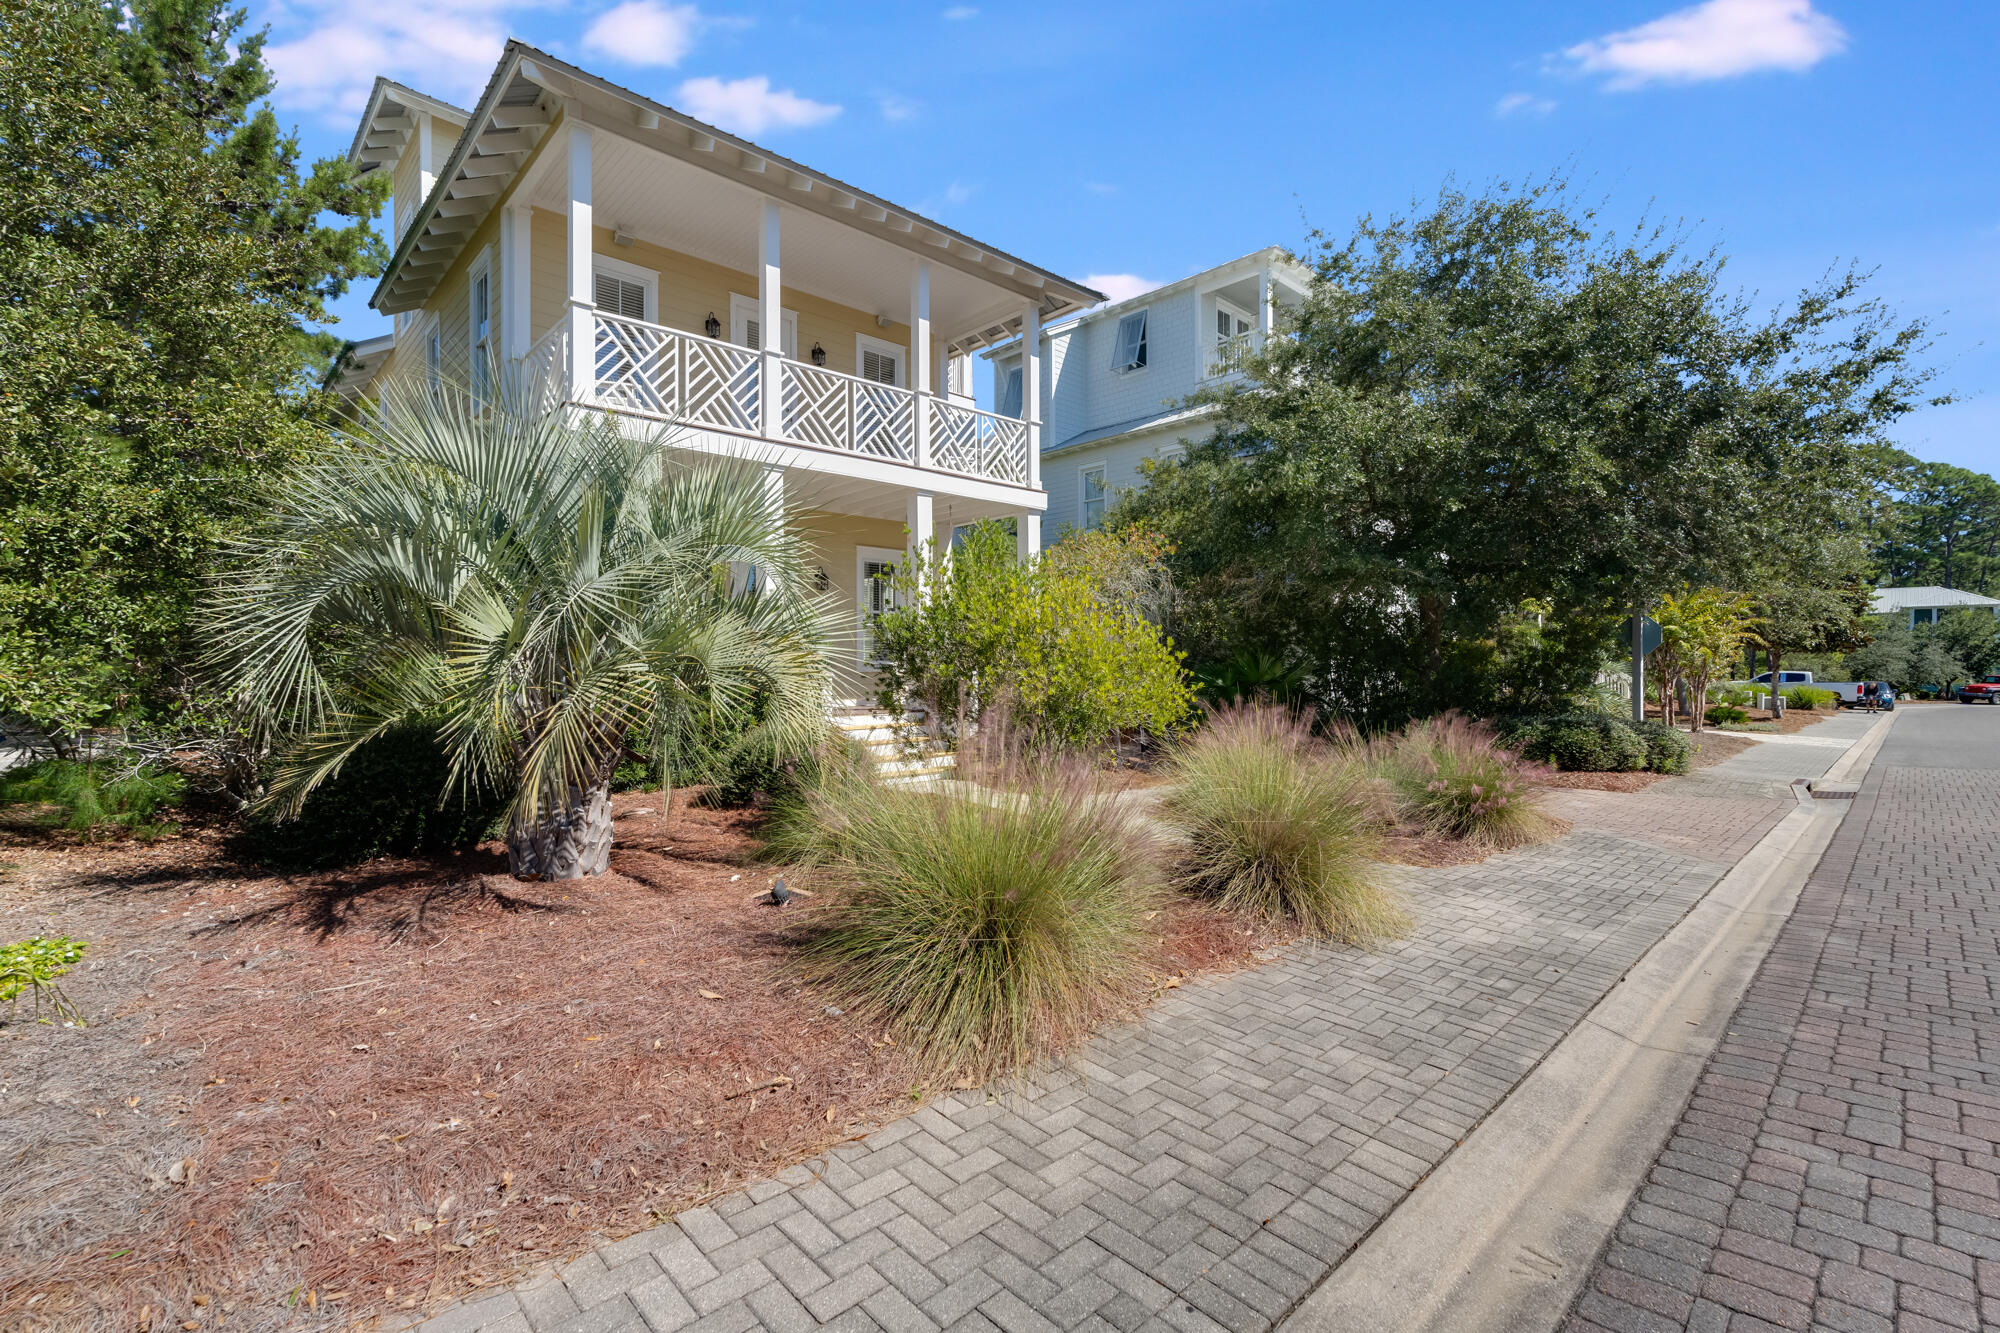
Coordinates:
(1836, 1167)
(1205, 1168)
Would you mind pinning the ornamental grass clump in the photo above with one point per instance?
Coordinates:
(988, 927)
(1452, 777)
(1279, 824)
(97, 798)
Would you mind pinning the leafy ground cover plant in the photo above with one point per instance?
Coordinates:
(97, 798)
(1577, 742)
(1668, 749)
(1453, 777)
(1810, 698)
(1727, 715)
(33, 965)
(988, 926)
(1279, 824)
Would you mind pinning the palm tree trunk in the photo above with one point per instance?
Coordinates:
(569, 839)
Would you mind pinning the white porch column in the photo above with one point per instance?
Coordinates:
(1031, 389)
(922, 521)
(582, 300)
(1263, 305)
(1027, 536)
(770, 321)
(516, 283)
(920, 356)
(426, 169)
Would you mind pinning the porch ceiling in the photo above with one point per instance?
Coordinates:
(681, 207)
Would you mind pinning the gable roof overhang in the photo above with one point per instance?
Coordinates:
(388, 121)
(529, 89)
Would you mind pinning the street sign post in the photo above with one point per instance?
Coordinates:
(1644, 634)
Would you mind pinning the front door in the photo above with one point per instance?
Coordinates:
(874, 584)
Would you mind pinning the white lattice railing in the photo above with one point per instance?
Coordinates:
(985, 444)
(662, 372)
(846, 412)
(654, 371)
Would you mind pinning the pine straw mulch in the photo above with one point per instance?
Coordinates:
(310, 1101)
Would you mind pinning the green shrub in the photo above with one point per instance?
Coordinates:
(1067, 645)
(1576, 742)
(393, 796)
(737, 762)
(1668, 749)
(97, 797)
(1810, 697)
(1726, 715)
(1742, 696)
(1279, 825)
(988, 929)
(33, 965)
(1450, 775)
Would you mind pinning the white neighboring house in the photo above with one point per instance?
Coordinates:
(1925, 605)
(1115, 378)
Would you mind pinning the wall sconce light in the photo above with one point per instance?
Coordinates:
(712, 326)
(818, 355)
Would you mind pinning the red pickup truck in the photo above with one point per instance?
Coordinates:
(1985, 690)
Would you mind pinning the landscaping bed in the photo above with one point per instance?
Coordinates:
(311, 1098)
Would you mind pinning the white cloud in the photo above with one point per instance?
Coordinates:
(1717, 39)
(325, 54)
(750, 106)
(958, 193)
(1120, 286)
(644, 32)
(960, 13)
(1514, 104)
(1100, 187)
(895, 107)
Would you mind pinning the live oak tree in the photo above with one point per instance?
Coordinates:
(164, 260)
(1494, 403)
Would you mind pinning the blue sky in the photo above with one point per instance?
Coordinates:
(1135, 143)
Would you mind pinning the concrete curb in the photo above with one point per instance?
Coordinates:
(1504, 1234)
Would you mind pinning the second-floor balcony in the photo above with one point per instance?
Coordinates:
(644, 264)
(700, 383)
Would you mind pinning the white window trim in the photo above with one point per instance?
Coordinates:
(743, 309)
(475, 346)
(1145, 341)
(645, 277)
(1082, 499)
(864, 343)
(862, 555)
(433, 345)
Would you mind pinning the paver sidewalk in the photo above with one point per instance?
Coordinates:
(1836, 1168)
(1206, 1167)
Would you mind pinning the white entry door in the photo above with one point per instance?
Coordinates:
(874, 586)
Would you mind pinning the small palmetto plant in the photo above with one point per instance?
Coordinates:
(1280, 824)
(989, 925)
(538, 586)
(1452, 777)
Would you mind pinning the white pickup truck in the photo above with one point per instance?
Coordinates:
(1851, 696)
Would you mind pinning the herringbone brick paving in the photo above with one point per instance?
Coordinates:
(1202, 1169)
(1836, 1168)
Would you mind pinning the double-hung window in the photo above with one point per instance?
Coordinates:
(1128, 351)
(434, 356)
(1093, 497)
(479, 330)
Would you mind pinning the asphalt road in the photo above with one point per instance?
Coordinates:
(1953, 735)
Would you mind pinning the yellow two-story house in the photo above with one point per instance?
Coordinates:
(630, 259)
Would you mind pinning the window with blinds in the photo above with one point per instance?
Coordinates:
(620, 296)
(878, 366)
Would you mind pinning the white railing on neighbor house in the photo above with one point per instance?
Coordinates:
(653, 371)
(544, 368)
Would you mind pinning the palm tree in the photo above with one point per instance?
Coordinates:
(538, 586)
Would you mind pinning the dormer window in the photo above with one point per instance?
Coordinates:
(1128, 352)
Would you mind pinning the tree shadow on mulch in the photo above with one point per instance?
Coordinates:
(397, 901)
